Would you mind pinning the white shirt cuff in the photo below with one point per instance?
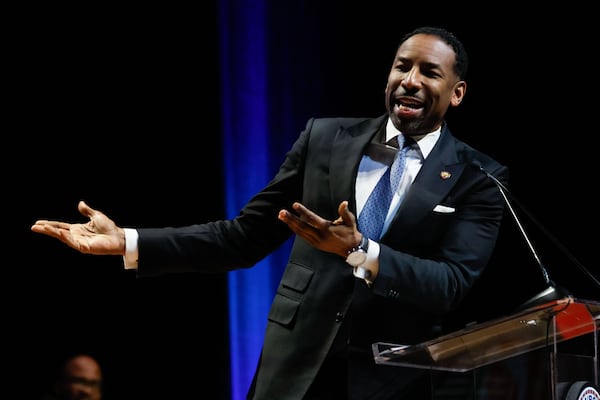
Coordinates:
(130, 259)
(372, 262)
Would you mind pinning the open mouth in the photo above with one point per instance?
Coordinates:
(407, 107)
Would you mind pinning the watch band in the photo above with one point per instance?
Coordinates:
(362, 245)
(357, 257)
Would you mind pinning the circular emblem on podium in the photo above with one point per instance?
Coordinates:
(582, 390)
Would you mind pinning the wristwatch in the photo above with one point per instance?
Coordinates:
(358, 255)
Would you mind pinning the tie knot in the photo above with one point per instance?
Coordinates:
(400, 141)
(394, 142)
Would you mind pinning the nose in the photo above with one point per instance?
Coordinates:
(412, 79)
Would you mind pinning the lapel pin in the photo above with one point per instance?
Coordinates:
(445, 174)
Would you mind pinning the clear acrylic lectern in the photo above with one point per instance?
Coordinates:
(558, 339)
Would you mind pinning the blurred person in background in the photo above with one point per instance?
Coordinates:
(79, 378)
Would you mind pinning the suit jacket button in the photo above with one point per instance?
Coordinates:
(339, 317)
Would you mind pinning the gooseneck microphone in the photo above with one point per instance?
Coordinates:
(552, 292)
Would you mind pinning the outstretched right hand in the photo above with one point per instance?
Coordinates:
(100, 235)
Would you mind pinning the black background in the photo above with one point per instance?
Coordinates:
(120, 107)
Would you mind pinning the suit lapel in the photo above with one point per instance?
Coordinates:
(439, 173)
(348, 149)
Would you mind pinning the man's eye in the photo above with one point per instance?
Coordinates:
(85, 382)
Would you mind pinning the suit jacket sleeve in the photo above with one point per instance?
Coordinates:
(225, 245)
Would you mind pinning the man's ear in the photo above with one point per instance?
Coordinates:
(460, 88)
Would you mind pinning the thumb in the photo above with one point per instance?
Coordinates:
(345, 213)
(84, 209)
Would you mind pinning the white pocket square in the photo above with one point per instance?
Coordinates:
(443, 209)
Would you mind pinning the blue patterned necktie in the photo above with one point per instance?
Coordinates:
(372, 216)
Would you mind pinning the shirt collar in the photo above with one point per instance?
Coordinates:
(425, 142)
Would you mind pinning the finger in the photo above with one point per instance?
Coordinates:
(50, 228)
(310, 217)
(292, 221)
(39, 227)
(340, 220)
(289, 219)
(43, 223)
(299, 227)
(284, 216)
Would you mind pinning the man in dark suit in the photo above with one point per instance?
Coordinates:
(342, 289)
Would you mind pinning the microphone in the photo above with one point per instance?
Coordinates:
(552, 292)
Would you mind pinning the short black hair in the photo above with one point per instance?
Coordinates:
(462, 59)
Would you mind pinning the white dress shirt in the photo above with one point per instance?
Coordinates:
(370, 171)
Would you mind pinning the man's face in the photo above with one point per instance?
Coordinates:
(81, 380)
(422, 84)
